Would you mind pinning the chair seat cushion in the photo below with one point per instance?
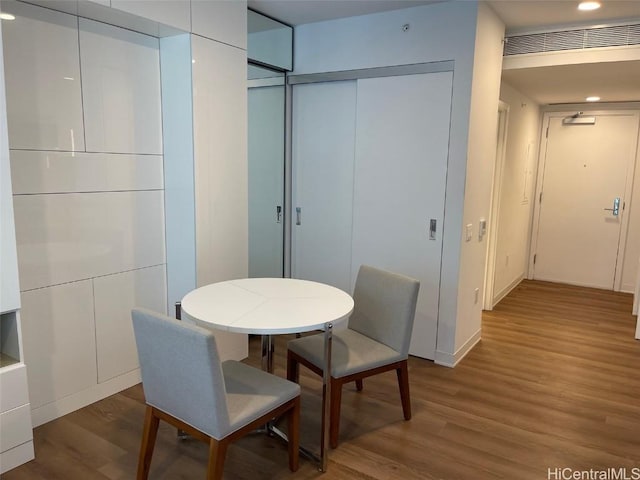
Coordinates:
(351, 352)
(252, 393)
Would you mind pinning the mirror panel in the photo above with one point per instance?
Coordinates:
(269, 42)
(266, 103)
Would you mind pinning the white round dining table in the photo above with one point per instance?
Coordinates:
(267, 306)
(270, 306)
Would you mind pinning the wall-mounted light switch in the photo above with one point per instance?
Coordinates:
(469, 232)
(482, 228)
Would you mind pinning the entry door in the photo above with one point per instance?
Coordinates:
(402, 144)
(266, 180)
(587, 168)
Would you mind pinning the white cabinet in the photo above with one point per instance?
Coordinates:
(370, 165)
(16, 437)
(59, 341)
(220, 170)
(115, 296)
(68, 172)
(42, 71)
(224, 22)
(220, 159)
(120, 89)
(65, 238)
(174, 13)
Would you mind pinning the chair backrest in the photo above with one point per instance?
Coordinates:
(384, 307)
(181, 371)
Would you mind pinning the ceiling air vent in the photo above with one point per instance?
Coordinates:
(573, 40)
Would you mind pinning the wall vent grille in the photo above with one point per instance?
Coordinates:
(573, 40)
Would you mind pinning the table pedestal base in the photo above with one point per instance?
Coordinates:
(267, 348)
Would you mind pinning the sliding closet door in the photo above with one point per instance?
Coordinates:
(402, 139)
(323, 146)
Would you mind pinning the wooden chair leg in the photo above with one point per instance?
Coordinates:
(334, 418)
(403, 383)
(293, 368)
(293, 434)
(217, 454)
(149, 435)
(359, 384)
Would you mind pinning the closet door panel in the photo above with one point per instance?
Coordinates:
(402, 139)
(323, 149)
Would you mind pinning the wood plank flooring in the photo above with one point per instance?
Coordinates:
(555, 382)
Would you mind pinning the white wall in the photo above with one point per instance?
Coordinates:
(439, 32)
(483, 121)
(517, 190)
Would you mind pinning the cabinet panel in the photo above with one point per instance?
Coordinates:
(41, 63)
(225, 22)
(115, 296)
(175, 13)
(120, 89)
(13, 386)
(64, 238)
(402, 143)
(220, 151)
(220, 169)
(59, 341)
(65, 172)
(15, 426)
(323, 155)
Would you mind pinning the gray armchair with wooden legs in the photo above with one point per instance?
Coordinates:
(376, 341)
(186, 385)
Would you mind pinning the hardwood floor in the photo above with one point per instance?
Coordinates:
(555, 382)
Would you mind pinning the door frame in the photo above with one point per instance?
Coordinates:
(542, 156)
(496, 195)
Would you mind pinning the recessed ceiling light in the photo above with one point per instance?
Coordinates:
(585, 6)
(7, 16)
(592, 99)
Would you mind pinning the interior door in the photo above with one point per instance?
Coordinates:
(402, 144)
(266, 180)
(323, 142)
(585, 185)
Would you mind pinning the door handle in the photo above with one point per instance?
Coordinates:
(278, 214)
(432, 229)
(616, 207)
(298, 216)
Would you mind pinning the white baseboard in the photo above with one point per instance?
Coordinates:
(638, 328)
(506, 290)
(16, 456)
(69, 404)
(451, 360)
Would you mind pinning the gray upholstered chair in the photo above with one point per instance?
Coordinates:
(376, 341)
(186, 385)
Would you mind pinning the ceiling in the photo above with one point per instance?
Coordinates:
(619, 81)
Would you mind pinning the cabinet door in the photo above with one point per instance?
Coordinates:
(323, 146)
(402, 143)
